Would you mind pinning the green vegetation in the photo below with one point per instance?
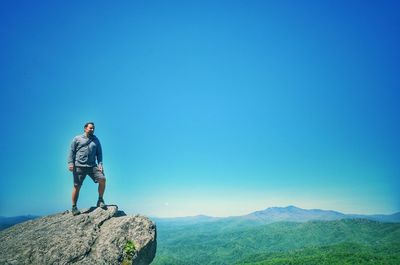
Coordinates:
(129, 251)
(356, 241)
(344, 253)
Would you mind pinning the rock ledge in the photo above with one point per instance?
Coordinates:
(96, 236)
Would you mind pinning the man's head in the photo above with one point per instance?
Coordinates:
(89, 128)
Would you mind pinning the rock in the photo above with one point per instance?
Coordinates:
(96, 236)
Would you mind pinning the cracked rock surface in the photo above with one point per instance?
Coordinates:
(96, 236)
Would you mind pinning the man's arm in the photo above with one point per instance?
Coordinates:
(71, 155)
(99, 155)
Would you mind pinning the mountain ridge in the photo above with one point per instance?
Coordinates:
(6, 222)
(289, 213)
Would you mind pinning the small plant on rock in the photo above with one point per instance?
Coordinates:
(129, 251)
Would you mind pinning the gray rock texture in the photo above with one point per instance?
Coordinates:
(96, 236)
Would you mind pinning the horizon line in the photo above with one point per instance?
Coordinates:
(213, 216)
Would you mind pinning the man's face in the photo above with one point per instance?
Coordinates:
(89, 130)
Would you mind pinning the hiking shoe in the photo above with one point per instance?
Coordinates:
(101, 204)
(75, 211)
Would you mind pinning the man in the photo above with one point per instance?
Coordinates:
(85, 149)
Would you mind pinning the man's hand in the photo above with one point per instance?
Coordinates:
(71, 167)
(100, 168)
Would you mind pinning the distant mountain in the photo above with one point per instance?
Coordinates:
(6, 222)
(293, 214)
(270, 215)
(187, 220)
(392, 218)
(278, 214)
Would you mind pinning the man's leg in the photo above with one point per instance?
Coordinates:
(102, 187)
(75, 194)
(79, 176)
(98, 177)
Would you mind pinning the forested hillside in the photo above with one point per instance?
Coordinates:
(356, 241)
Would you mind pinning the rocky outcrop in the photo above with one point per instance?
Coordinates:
(96, 236)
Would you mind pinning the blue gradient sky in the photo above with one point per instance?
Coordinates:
(203, 107)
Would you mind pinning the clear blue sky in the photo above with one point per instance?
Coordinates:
(202, 107)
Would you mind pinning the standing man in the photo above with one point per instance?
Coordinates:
(85, 149)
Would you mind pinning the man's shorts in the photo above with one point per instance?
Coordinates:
(80, 174)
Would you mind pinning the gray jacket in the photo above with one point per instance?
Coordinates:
(84, 151)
